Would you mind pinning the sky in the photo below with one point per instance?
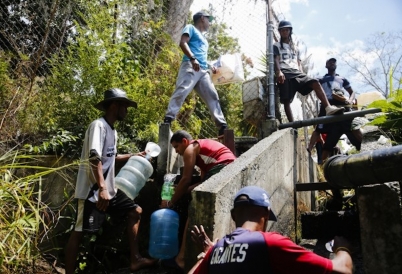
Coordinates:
(325, 27)
(328, 27)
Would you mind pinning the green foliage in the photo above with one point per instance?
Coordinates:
(23, 213)
(98, 59)
(391, 120)
(220, 42)
(61, 144)
(113, 44)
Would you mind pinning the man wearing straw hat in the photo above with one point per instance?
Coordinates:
(95, 190)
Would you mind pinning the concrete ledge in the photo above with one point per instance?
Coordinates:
(269, 164)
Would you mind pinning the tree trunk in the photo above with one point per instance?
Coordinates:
(177, 14)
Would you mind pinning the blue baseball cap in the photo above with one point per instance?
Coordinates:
(255, 196)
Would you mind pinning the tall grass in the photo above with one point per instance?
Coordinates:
(24, 217)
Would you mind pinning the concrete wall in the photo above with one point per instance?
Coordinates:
(273, 164)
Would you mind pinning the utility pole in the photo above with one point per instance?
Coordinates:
(270, 63)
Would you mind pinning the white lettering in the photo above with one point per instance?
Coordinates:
(215, 256)
(243, 253)
(234, 253)
(233, 258)
(226, 255)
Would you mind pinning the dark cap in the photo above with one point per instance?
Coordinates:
(200, 14)
(255, 196)
(331, 59)
(115, 94)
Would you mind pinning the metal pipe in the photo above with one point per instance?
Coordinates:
(270, 65)
(370, 167)
(329, 119)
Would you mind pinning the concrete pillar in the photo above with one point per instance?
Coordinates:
(312, 175)
(164, 143)
(267, 128)
(228, 140)
(381, 229)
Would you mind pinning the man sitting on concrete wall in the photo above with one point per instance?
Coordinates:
(210, 156)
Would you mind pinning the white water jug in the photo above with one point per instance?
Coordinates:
(133, 175)
(152, 150)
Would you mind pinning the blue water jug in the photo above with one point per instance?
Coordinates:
(163, 239)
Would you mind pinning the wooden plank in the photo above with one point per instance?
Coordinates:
(228, 140)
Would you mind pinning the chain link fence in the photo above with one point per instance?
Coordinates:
(57, 57)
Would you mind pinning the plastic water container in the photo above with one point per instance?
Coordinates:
(163, 239)
(133, 175)
(152, 150)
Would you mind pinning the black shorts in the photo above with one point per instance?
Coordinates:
(335, 130)
(294, 83)
(336, 133)
(92, 218)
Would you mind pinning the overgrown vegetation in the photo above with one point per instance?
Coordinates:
(26, 217)
(391, 121)
(56, 60)
(120, 45)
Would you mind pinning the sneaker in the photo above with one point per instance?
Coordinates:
(222, 130)
(167, 120)
(333, 110)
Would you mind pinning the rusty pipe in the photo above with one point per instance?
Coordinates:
(366, 168)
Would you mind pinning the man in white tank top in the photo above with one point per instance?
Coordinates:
(96, 191)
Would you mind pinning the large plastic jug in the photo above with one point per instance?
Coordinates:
(152, 150)
(163, 239)
(133, 175)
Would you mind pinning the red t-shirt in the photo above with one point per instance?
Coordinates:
(281, 257)
(212, 153)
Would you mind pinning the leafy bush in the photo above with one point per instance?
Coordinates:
(391, 121)
(25, 219)
(62, 144)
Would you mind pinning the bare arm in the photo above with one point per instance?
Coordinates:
(352, 95)
(97, 171)
(187, 51)
(126, 157)
(203, 243)
(279, 74)
(182, 187)
(189, 158)
(342, 263)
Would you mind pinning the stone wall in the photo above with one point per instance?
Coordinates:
(273, 164)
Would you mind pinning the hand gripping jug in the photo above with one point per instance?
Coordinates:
(133, 175)
(163, 239)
